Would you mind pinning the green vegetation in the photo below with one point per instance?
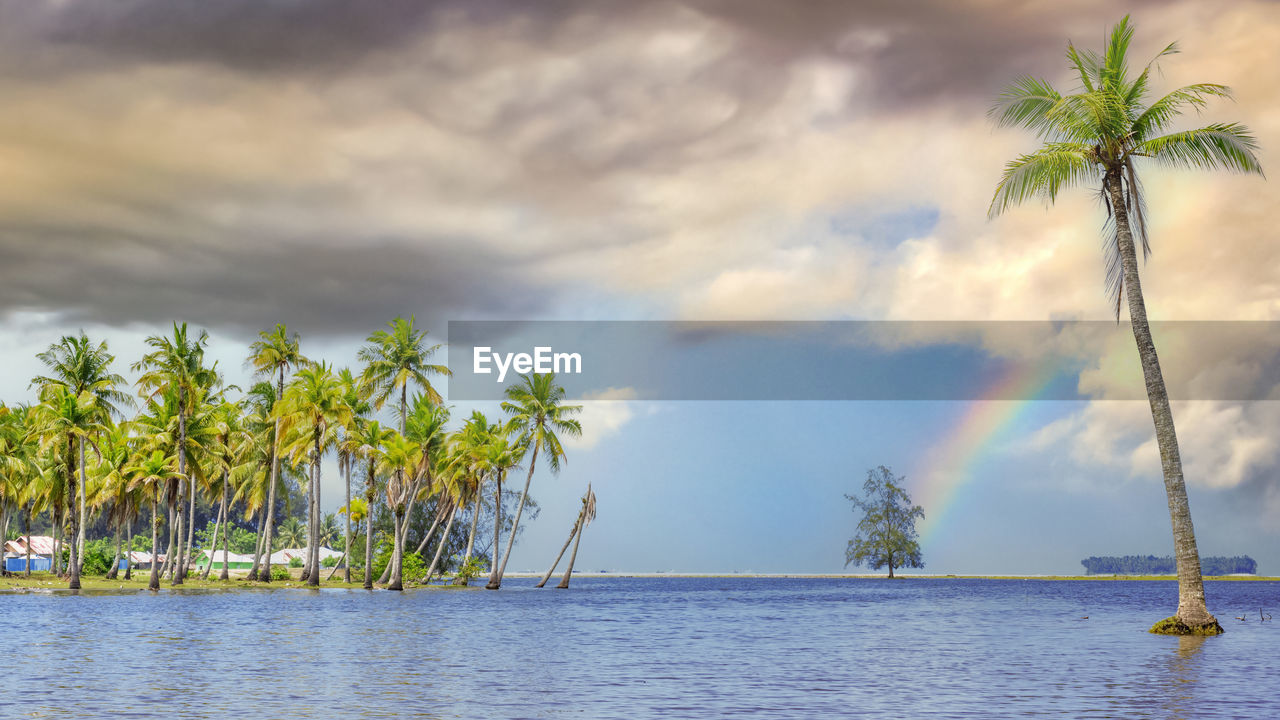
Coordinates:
(1099, 136)
(195, 467)
(1152, 565)
(887, 531)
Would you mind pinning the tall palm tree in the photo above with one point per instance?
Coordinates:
(1098, 136)
(79, 365)
(369, 438)
(153, 474)
(536, 413)
(176, 365)
(293, 534)
(314, 405)
(272, 353)
(395, 359)
(64, 416)
(347, 452)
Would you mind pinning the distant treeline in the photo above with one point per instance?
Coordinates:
(1152, 565)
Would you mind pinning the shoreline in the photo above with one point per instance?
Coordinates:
(43, 582)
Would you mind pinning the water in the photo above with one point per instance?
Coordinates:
(643, 648)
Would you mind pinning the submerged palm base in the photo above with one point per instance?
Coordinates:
(1175, 626)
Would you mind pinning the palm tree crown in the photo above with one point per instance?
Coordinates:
(1103, 130)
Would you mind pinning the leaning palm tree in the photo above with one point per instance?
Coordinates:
(271, 354)
(536, 413)
(396, 358)
(1098, 136)
(368, 440)
(398, 460)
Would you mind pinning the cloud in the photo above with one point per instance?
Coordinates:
(604, 413)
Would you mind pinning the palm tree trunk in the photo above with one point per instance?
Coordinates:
(168, 551)
(73, 564)
(226, 531)
(314, 552)
(26, 530)
(497, 528)
(573, 557)
(128, 539)
(114, 570)
(217, 524)
(432, 531)
(154, 582)
(191, 527)
(257, 545)
(471, 536)
(496, 581)
(396, 582)
(178, 563)
(84, 480)
(1191, 602)
(444, 540)
(369, 498)
(346, 549)
(265, 574)
(572, 534)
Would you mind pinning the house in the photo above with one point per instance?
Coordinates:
(40, 547)
(139, 559)
(283, 557)
(235, 561)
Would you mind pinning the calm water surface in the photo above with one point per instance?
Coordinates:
(643, 648)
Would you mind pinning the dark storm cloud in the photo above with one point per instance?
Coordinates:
(242, 287)
(365, 69)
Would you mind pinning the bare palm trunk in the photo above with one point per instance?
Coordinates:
(128, 539)
(178, 562)
(573, 557)
(226, 532)
(346, 549)
(257, 545)
(444, 540)
(265, 574)
(314, 552)
(114, 570)
(572, 534)
(191, 528)
(369, 497)
(434, 525)
(396, 582)
(217, 525)
(154, 582)
(497, 529)
(26, 529)
(1192, 610)
(471, 536)
(84, 480)
(496, 581)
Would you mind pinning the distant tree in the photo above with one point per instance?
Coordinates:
(887, 532)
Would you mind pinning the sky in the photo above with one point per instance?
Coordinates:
(332, 165)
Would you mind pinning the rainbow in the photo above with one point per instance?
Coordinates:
(950, 466)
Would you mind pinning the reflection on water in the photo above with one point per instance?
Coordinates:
(640, 648)
(1179, 678)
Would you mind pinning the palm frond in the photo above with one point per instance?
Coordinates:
(1043, 173)
(1162, 111)
(1225, 146)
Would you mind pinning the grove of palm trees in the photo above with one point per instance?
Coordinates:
(187, 469)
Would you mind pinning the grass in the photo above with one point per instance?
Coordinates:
(43, 581)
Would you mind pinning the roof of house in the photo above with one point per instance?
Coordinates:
(282, 557)
(40, 545)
